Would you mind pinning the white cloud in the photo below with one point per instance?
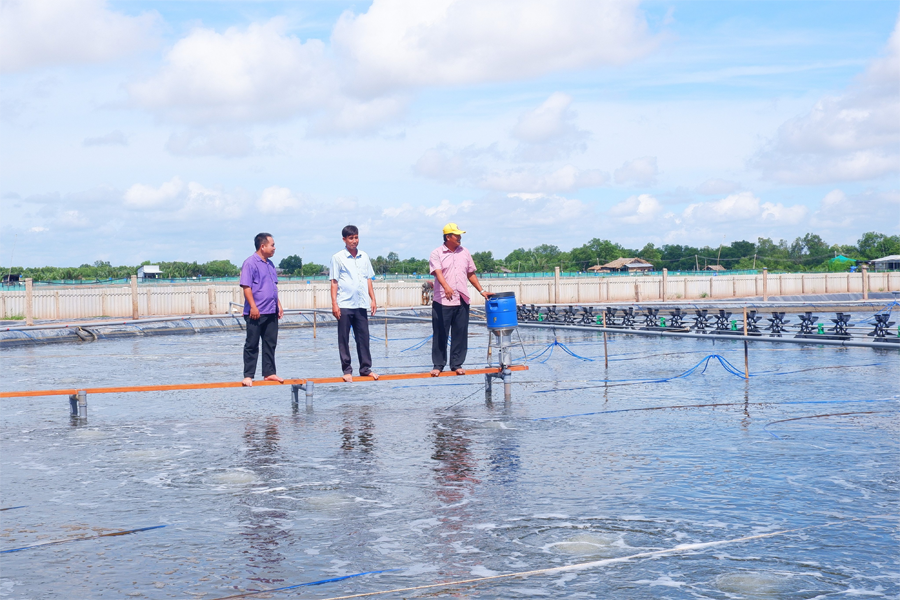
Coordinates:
(851, 137)
(253, 74)
(637, 210)
(46, 33)
(467, 167)
(443, 164)
(263, 73)
(715, 187)
(837, 210)
(549, 131)
(113, 138)
(71, 219)
(38, 230)
(145, 197)
(638, 172)
(275, 200)
(397, 45)
(214, 142)
(565, 179)
(746, 207)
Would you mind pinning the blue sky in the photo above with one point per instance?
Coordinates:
(158, 131)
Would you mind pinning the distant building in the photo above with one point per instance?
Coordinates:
(11, 278)
(149, 272)
(886, 263)
(717, 268)
(624, 265)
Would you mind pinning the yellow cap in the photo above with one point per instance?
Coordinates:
(452, 228)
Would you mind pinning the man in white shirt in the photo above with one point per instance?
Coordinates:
(351, 295)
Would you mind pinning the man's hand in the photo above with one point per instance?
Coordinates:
(448, 291)
(336, 311)
(373, 308)
(280, 311)
(254, 313)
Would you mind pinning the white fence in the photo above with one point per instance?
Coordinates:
(79, 302)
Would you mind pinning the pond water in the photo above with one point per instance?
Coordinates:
(429, 481)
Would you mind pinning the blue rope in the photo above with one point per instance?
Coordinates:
(621, 410)
(766, 426)
(78, 539)
(321, 581)
(729, 368)
(13, 507)
(419, 344)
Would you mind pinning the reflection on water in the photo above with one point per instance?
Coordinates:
(263, 532)
(382, 476)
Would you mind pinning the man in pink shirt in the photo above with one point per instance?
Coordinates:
(453, 268)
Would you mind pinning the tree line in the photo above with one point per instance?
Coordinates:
(806, 253)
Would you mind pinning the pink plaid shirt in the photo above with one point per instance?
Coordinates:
(456, 267)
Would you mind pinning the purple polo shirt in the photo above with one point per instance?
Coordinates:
(259, 275)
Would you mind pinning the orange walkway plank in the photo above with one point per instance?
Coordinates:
(237, 384)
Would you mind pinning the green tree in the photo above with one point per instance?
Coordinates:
(484, 262)
(596, 252)
(312, 269)
(219, 268)
(291, 264)
(651, 254)
(874, 245)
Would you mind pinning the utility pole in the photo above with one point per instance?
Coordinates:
(754, 262)
(720, 251)
(696, 263)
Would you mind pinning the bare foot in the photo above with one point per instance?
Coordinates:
(460, 371)
(435, 372)
(374, 375)
(247, 382)
(348, 378)
(274, 377)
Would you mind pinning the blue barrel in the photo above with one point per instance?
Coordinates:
(500, 310)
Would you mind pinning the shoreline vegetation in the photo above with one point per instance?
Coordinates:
(809, 253)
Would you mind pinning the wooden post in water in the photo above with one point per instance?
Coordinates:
(29, 302)
(746, 348)
(605, 354)
(134, 297)
(315, 312)
(385, 329)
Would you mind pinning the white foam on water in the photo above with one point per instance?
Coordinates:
(495, 425)
(6, 587)
(482, 571)
(234, 477)
(663, 580)
(753, 584)
(587, 544)
(91, 434)
(857, 592)
(327, 502)
(152, 454)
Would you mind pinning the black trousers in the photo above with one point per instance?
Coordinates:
(266, 329)
(358, 320)
(455, 321)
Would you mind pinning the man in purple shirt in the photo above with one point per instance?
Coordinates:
(453, 269)
(262, 309)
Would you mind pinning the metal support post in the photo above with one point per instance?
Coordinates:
(295, 393)
(78, 404)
